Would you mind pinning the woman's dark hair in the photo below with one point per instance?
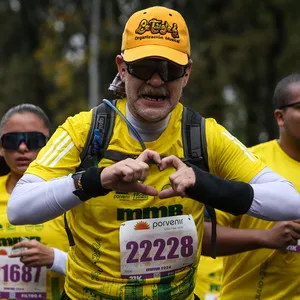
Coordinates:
(4, 168)
(19, 109)
(25, 108)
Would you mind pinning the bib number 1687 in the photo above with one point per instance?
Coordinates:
(16, 273)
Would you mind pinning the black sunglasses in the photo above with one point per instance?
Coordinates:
(289, 105)
(145, 68)
(33, 140)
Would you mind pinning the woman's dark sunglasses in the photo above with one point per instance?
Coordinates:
(33, 140)
(144, 69)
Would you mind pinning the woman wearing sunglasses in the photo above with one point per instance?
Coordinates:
(28, 263)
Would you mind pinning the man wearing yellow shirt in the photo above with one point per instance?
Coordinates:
(137, 223)
(269, 274)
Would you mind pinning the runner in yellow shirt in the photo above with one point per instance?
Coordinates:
(209, 278)
(231, 240)
(270, 274)
(31, 273)
(137, 224)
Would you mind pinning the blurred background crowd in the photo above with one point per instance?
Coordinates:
(59, 55)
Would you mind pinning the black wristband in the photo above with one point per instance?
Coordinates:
(88, 184)
(231, 196)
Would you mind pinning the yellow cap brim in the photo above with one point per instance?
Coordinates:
(141, 52)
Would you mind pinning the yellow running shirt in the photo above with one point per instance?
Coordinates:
(209, 278)
(130, 245)
(15, 278)
(264, 273)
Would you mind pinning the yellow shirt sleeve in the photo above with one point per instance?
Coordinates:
(229, 159)
(227, 156)
(224, 218)
(61, 156)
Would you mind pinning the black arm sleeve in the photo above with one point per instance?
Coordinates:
(230, 196)
(91, 183)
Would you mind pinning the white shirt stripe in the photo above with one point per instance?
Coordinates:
(62, 154)
(40, 161)
(56, 150)
(249, 154)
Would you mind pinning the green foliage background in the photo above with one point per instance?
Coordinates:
(240, 49)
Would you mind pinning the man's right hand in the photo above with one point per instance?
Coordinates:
(282, 234)
(129, 174)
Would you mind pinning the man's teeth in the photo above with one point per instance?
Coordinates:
(154, 99)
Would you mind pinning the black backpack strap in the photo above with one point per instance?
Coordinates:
(96, 144)
(213, 219)
(195, 149)
(116, 155)
(109, 125)
(98, 137)
(195, 152)
(68, 231)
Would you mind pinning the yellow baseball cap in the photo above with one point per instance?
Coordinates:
(156, 31)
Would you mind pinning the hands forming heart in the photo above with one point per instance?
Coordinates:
(128, 175)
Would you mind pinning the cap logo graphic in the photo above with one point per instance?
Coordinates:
(157, 27)
(141, 225)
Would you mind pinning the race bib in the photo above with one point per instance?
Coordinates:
(18, 281)
(293, 248)
(157, 247)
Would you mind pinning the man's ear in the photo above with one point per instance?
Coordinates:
(187, 73)
(279, 117)
(121, 67)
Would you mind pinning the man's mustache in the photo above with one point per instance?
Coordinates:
(154, 91)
